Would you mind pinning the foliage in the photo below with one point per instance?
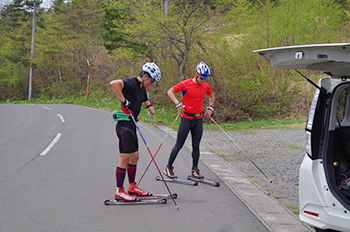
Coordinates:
(65, 46)
(302, 22)
(171, 32)
(250, 87)
(119, 35)
(14, 47)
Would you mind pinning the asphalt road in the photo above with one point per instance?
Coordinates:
(62, 185)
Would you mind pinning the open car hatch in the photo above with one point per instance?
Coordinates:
(332, 59)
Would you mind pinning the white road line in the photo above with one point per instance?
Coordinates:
(53, 142)
(47, 108)
(61, 117)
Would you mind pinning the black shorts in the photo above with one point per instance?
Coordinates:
(126, 132)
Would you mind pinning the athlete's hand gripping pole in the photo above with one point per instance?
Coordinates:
(155, 154)
(241, 150)
(149, 151)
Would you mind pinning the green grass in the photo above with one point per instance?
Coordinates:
(293, 208)
(163, 114)
(294, 146)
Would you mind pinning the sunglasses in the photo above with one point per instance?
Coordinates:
(201, 77)
(152, 80)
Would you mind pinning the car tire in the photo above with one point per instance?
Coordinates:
(327, 230)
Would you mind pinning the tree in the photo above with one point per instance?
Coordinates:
(64, 43)
(144, 24)
(293, 22)
(14, 47)
(118, 17)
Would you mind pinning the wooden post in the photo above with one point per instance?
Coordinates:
(88, 80)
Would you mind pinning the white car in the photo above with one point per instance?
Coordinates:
(324, 178)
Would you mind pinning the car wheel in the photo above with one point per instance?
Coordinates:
(327, 230)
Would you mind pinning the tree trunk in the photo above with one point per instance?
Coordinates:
(184, 59)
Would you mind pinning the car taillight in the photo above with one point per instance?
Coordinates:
(308, 143)
(311, 213)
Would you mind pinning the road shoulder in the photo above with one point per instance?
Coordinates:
(270, 212)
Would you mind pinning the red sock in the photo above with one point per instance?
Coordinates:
(120, 176)
(131, 172)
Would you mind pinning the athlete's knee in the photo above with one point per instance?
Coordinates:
(124, 159)
(195, 147)
(134, 158)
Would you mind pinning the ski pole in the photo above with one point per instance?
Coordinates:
(149, 151)
(241, 150)
(155, 154)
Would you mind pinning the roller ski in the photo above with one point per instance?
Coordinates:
(196, 176)
(134, 197)
(177, 181)
(204, 181)
(136, 202)
(157, 196)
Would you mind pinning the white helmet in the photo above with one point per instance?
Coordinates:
(153, 70)
(203, 69)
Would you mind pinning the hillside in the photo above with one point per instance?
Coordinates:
(118, 36)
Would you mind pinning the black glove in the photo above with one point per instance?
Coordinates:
(126, 104)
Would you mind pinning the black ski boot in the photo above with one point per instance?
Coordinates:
(196, 174)
(169, 172)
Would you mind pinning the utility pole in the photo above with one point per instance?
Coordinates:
(32, 55)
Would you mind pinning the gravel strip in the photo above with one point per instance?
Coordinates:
(277, 152)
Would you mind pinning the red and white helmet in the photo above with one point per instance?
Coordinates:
(153, 70)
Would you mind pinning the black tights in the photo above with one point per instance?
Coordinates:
(196, 128)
